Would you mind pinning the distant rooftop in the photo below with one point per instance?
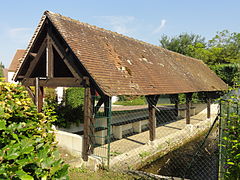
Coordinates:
(16, 60)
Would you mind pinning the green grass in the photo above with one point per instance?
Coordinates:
(85, 174)
(134, 102)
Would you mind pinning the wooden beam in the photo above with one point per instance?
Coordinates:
(39, 95)
(54, 82)
(188, 103)
(65, 57)
(36, 59)
(33, 54)
(30, 92)
(92, 120)
(152, 102)
(87, 119)
(99, 103)
(49, 58)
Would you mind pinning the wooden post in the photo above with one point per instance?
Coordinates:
(152, 102)
(152, 122)
(87, 119)
(49, 58)
(175, 100)
(208, 105)
(38, 95)
(92, 121)
(188, 103)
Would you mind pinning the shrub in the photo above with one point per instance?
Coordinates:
(27, 147)
(75, 97)
(230, 135)
(70, 110)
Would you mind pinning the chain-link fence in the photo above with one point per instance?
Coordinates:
(174, 136)
(168, 143)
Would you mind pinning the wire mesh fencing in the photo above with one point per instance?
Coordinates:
(168, 136)
(130, 144)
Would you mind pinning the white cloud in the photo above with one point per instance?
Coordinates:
(160, 27)
(20, 34)
(120, 24)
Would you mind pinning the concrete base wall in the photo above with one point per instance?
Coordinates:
(71, 142)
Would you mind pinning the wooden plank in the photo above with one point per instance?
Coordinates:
(36, 59)
(54, 82)
(188, 103)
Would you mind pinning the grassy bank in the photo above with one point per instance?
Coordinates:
(84, 174)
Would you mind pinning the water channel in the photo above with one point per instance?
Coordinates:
(186, 162)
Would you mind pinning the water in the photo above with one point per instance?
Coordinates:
(184, 162)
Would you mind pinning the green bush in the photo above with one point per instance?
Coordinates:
(230, 144)
(65, 114)
(27, 147)
(75, 97)
(70, 110)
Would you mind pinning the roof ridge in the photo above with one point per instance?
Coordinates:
(102, 29)
(115, 33)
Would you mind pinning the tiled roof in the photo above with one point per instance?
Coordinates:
(16, 60)
(124, 66)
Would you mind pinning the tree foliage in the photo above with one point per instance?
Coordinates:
(181, 43)
(1, 69)
(27, 147)
(221, 53)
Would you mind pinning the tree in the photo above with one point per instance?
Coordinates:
(221, 53)
(1, 69)
(181, 43)
(225, 47)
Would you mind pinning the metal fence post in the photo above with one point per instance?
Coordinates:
(109, 117)
(220, 168)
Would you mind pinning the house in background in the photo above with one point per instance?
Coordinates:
(14, 64)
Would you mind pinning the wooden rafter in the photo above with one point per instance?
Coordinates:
(54, 82)
(37, 58)
(66, 57)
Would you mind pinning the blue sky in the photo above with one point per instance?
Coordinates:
(145, 20)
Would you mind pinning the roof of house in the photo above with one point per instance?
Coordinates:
(16, 60)
(125, 66)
